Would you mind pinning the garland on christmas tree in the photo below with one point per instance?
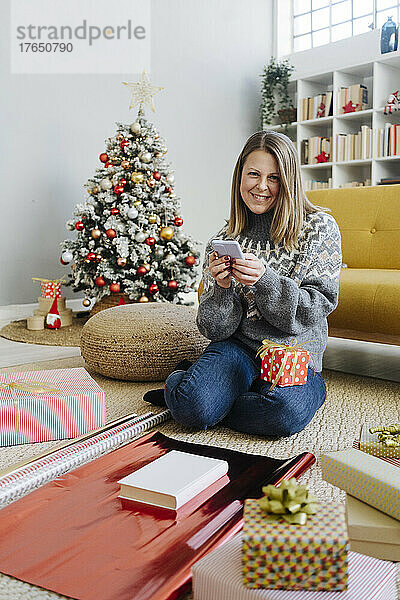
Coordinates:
(129, 229)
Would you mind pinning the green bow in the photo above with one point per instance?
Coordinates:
(288, 501)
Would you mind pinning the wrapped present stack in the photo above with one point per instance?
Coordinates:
(370, 474)
(50, 295)
(283, 365)
(37, 406)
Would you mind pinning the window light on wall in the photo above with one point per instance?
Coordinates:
(318, 22)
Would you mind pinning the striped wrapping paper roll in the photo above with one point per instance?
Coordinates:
(218, 576)
(24, 479)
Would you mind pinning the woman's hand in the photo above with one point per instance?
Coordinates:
(249, 270)
(220, 269)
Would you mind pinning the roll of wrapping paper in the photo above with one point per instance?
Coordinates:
(75, 536)
(23, 478)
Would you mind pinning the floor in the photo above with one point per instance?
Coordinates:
(349, 356)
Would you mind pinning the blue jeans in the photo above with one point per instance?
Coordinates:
(224, 386)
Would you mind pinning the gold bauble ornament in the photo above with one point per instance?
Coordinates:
(137, 203)
(151, 183)
(96, 233)
(121, 262)
(147, 266)
(143, 299)
(99, 258)
(167, 233)
(125, 164)
(152, 218)
(137, 177)
(86, 302)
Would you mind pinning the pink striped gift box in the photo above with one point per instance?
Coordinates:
(65, 404)
(218, 576)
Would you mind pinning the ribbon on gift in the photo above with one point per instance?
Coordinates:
(293, 346)
(33, 387)
(388, 435)
(289, 501)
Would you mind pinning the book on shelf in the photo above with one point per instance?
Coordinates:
(357, 94)
(314, 107)
(172, 480)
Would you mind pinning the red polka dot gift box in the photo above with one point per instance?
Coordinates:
(283, 365)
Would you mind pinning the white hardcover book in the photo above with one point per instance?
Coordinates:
(173, 479)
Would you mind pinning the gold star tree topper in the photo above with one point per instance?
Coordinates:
(143, 92)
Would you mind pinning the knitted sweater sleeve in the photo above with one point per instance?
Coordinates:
(220, 310)
(296, 304)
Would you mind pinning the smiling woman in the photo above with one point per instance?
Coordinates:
(285, 286)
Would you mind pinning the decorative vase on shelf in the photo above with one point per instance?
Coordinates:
(389, 36)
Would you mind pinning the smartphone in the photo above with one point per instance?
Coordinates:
(227, 248)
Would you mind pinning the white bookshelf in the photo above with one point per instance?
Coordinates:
(382, 77)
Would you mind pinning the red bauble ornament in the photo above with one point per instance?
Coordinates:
(150, 241)
(114, 211)
(115, 287)
(91, 256)
(168, 190)
(156, 175)
(79, 226)
(119, 189)
(124, 143)
(190, 260)
(111, 234)
(172, 284)
(108, 164)
(63, 261)
(103, 157)
(153, 289)
(141, 271)
(100, 281)
(178, 221)
(123, 181)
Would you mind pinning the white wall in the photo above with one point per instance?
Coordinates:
(208, 56)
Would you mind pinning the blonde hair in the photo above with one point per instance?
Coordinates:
(292, 204)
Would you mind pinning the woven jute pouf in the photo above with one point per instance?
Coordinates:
(141, 342)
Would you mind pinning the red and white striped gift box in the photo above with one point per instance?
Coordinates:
(76, 407)
(219, 576)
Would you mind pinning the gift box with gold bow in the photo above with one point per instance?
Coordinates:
(292, 543)
(381, 440)
(37, 406)
(283, 365)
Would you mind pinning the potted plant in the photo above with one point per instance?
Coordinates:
(275, 89)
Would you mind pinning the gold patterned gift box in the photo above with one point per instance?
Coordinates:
(281, 555)
(382, 441)
(364, 476)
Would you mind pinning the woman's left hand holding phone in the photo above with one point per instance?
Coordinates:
(220, 269)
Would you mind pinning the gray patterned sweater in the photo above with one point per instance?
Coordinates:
(291, 300)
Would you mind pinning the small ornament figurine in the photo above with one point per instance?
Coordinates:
(350, 107)
(323, 157)
(53, 320)
(393, 103)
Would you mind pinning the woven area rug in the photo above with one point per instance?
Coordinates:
(65, 336)
(351, 401)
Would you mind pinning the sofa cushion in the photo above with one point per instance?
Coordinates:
(369, 300)
(141, 342)
(369, 223)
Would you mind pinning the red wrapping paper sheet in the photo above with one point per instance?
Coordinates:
(75, 536)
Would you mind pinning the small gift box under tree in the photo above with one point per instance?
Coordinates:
(382, 441)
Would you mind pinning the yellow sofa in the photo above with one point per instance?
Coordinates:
(369, 294)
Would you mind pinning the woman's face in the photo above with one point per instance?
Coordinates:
(260, 182)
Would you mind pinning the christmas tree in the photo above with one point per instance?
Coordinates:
(129, 230)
